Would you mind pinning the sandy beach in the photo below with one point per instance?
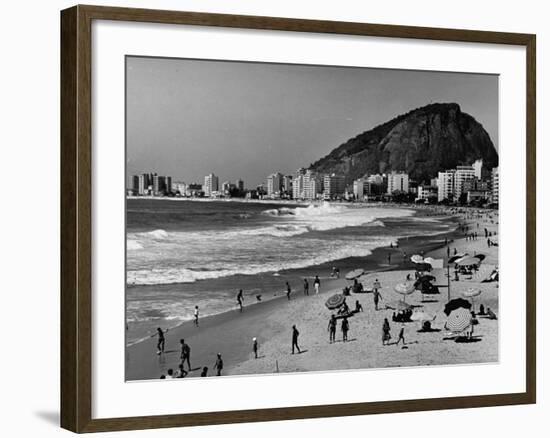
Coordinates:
(271, 322)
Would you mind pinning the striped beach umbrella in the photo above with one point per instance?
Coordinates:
(459, 320)
(335, 301)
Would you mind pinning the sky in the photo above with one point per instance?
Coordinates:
(188, 118)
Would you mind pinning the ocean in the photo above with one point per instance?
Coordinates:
(184, 253)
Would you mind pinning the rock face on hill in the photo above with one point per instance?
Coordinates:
(421, 142)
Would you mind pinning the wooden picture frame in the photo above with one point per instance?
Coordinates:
(76, 217)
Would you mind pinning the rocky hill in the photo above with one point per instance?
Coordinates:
(421, 142)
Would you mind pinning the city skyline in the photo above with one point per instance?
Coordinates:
(182, 118)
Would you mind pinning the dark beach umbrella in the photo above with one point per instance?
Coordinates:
(356, 273)
(423, 267)
(481, 257)
(456, 303)
(335, 301)
(426, 278)
(459, 320)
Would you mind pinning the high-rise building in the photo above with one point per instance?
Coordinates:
(478, 166)
(361, 188)
(210, 185)
(287, 184)
(425, 193)
(135, 184)
(445, 185)
(168, 184)
(494, 185)
(313, 185)
(240, 185)
(159, 185)
(274, 184)
(143, 184)
(334, 186)
(461, 176)
(398, 181)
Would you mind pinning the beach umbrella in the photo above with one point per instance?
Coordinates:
(481, 257)
(429, 260)
(472, 293)
(423, 267)
(398, 305)
(417, 258)
(421, 315)
(335, 301)
(468, 261)
(459, 320)
(405, 288)
(356, 273)
(456, 303)
(457, 257)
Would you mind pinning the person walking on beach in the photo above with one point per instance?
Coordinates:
(317, 284)
(389, 259)
(306, 287)
(240, 299)
(288, 290)
(185, 353)
(376, 296)
(345, 329)
(386, 336)
(295, 334)
(218, 365)
(196, 320)
(401, 336)
(448, 251)
(332, 329)
(161, 340)
(255, 347)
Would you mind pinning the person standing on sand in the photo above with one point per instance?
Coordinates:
(288, 291)
(345, 329)
(317, 284)
(161, 340)
(240, 299)
(389, 259)
(295, 334)
(332, 329)
(376, 296)
(306, 287)
(255, 347)
(401, 336)
(196, 321)
(218, 366)
(185, 353)
(386, 336)
(448, 251)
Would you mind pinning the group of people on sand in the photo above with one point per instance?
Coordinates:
(386, 333)
(185, 358)
(332, 326)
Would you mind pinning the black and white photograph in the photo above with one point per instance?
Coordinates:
(288, 218)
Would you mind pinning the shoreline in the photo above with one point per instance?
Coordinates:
(228, 333)
(270, 284)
